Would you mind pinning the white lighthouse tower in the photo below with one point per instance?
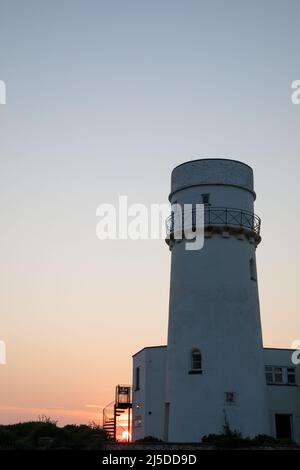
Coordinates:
(214, 358)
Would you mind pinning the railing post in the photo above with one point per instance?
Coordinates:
(115, 423)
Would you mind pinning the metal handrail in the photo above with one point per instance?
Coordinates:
(222, 216)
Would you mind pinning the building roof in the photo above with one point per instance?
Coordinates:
(164, 346)
(280, 349)
(148, 347)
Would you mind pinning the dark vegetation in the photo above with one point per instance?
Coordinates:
(45, 434)
(148, 440)
(234, 439)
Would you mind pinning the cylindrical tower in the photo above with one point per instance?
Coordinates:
(215, 372)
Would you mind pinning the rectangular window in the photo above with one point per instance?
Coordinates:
(269, 374)
(252, 266)
(291, 375)
(205, 198)
(137, 378)
(278, 375)
(230, 397)
(196, 359)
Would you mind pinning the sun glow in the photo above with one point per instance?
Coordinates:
(126, 436)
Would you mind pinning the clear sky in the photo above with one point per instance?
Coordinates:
(104, 98)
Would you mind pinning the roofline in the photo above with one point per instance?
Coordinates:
(164, 346)
(217, 158)
(148, 347)
(282, 349)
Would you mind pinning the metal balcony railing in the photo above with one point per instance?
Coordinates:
(219, 216)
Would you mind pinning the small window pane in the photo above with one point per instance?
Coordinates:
(196, 360)
(291, 379)
(269, 377)
(291, 375)
(269, 374)
(278, 375)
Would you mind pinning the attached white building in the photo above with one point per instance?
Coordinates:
(214, 369)
(282, 387)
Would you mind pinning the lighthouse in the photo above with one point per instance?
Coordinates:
(214, 366)
(213, 375)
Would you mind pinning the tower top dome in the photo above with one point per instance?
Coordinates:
(212, 171)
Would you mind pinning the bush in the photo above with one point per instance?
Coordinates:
(234, 439)
(230, 439)
(264, 440)
(148, 440)
(45, 434)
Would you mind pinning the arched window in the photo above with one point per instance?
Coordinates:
(196, 360)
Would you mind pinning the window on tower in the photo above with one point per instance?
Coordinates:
(196, 362)
(252, 266)
(205, 198)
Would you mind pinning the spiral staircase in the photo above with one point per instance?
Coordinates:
(117, 415)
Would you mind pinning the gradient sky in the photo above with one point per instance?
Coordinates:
(104, 98)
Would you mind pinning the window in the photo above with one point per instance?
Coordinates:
(291, 375)
(278, 375)
(269, 374)
(196, 360)
(205, 198)
(252, 266)
(137, 378)
(230, 397)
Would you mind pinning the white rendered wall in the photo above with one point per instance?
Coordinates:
(149, 401)
(283, 399)
(139, 396)
(214, 306)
